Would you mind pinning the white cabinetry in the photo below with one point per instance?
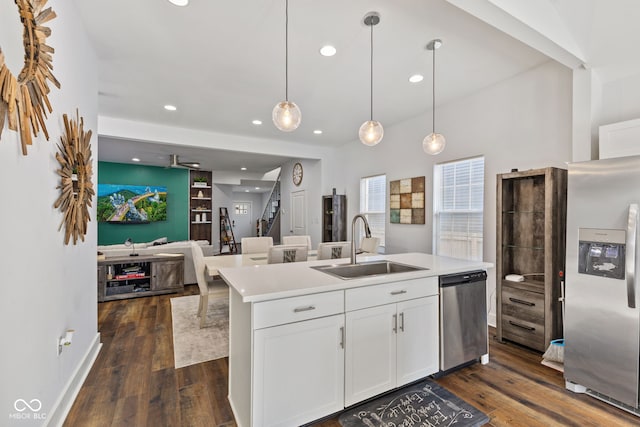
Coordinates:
(298, 359)
(392, 336)
(295, 360)
(298, 371)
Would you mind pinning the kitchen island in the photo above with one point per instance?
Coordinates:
(304, 344)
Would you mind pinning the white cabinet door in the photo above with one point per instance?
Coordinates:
(298, 372)
(417, 343)
(370, 354)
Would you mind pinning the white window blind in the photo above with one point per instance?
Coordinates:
(458, 208)
(373, 196)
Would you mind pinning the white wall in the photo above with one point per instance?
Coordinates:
(47, 287)
(523, 123)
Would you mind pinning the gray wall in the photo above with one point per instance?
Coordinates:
(523, 123)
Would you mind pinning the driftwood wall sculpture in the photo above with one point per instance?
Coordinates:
(76, 188)
(23, 100)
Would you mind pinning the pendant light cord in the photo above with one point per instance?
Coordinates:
(433, 91)
(371, 72)
(286, 51)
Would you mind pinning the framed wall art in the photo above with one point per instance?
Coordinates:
(406, 201)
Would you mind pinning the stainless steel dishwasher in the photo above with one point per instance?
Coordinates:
(463, 318)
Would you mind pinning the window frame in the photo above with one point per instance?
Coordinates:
(473, 252)
(379, 232)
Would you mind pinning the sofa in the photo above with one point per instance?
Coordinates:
(161, 246)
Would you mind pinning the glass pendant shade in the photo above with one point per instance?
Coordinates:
(433, 143)
(371, 133)
(286, 116)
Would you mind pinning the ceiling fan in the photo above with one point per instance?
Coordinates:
(174, 162)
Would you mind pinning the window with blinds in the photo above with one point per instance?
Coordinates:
(458, 189)
(373, 195)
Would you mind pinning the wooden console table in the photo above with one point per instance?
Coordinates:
(137, 276)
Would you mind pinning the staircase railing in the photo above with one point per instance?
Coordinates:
(271, 210)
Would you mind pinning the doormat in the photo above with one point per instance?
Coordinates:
(422, 404)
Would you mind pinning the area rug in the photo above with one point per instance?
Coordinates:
(193, 345)
(422, 404)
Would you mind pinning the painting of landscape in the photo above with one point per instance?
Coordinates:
(130, 204)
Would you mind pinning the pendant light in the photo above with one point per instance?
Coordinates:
(434, 142)
(286, 115)
(371, 131)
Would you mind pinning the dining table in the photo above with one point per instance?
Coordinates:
(216, 262)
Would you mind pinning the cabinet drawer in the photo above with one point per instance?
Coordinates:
(524, 305)
(288, 310)
(369, 296)
(523, 332)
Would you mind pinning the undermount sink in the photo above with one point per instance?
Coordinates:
(364, 269)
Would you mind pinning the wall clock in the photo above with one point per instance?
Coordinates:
(297, 174)
(23, 100)
(76, 189)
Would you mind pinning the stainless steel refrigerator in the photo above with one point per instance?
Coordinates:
(602, 314)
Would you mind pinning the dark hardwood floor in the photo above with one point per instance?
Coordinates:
(133, 381)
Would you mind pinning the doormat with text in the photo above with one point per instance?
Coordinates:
(422, 404)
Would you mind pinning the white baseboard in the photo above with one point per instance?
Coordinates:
(491, 319)
(59, 412)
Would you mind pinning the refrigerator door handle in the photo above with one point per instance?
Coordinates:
(632, 232)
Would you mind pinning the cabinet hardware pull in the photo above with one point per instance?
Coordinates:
(299, 309)
(342, 337)
(519, 301)
(395, 323)
(398, 292)
(402, 321)
(527, 328)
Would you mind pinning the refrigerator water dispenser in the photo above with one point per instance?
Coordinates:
(601, 252)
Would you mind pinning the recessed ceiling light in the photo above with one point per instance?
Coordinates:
(135, 159)
(169, 107)
(317, 132)
(180, 2)
(257, 188)
(246, 191)
(416, 78)
(257, 122)
(327, 50)
(243, 168)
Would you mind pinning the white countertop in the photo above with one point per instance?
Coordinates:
(273, 281)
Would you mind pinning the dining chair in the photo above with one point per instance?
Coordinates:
(287, 253)
(206, 287)
(297, 240)
(334, 250)
(255, 245)
(370, 244)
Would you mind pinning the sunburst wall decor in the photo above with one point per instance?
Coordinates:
(23, 100)
(76, 188)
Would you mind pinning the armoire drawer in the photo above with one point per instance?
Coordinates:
(522, 332)
(524, 305)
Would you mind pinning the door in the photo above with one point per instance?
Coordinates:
(417, 343)
(370, 353)
(298, 372)
(298, 213)
(602, 326)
